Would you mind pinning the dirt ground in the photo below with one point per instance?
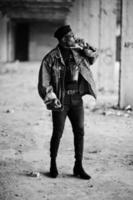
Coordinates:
(25, 131)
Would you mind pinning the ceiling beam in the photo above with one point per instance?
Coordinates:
(40, 9)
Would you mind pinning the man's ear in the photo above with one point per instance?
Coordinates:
(63, 41)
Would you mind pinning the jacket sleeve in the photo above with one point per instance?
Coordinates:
(45, 88)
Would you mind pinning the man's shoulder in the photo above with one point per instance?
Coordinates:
(54, 52)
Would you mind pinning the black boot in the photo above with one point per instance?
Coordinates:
(53, 169)
(78, 170)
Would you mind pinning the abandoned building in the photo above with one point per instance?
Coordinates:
(27, 27)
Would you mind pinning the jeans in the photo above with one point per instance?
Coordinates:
(73, 108)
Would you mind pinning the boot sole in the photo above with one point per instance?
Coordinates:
(81, 177)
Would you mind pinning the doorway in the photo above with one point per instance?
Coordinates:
(21, 41)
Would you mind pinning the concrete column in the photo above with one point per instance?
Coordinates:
(126, 75)
(84, 19)
(11, 42)
(95, 21)
(74, 17)
(3, 39)
(107, 44)
(90, 26)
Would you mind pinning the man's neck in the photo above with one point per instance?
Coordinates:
(64, 46)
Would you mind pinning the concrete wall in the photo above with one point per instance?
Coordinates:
(107, 45)
(84, 20)
(126, 78)
(41, 39)
(95, 21)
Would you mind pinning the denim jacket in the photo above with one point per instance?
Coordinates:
(52, 74)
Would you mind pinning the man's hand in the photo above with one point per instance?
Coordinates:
(80, 42)
(94, 54)
(49, 97)
(53, 104)
(57, 103)
(90, 53)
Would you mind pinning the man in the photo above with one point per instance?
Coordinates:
(64, 77)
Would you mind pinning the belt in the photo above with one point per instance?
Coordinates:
(71, 92)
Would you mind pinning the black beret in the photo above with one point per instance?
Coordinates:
(62, 31)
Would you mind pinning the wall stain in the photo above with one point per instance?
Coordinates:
(128, 45)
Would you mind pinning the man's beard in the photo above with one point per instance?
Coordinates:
(70, 45)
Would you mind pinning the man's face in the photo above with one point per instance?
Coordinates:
(69, 39)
